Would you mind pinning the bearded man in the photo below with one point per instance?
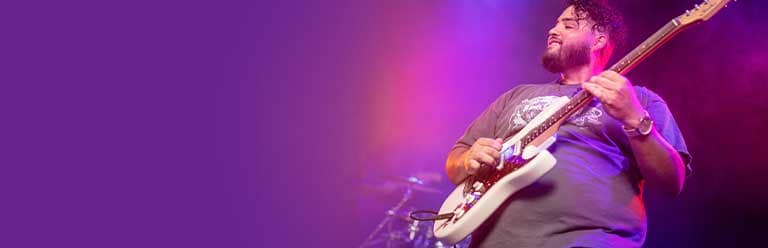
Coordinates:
(606, 153)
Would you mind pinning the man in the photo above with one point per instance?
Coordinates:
(606, 153)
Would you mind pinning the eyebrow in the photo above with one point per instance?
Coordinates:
(571, 19)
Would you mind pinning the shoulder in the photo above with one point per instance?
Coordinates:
(520, 91)
(648, 96)
(525, 89)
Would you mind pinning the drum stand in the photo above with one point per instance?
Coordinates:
(389, 238)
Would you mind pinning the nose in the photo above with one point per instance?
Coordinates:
(553, 32)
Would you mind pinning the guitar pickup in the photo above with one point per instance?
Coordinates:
(505, 155)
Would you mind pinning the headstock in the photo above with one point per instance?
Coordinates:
(702, 12)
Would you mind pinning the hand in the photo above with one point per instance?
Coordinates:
(618, 97)
(483, 151)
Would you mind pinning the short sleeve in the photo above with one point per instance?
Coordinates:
(666, 125)
(484, 126)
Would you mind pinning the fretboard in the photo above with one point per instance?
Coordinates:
(623, 66)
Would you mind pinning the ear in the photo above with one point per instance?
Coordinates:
(601, 41)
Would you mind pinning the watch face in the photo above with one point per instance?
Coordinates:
(646, 124)
(644, 128)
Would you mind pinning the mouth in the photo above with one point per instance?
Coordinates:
(553, 41)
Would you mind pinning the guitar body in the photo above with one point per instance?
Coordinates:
(524, 157)
(450, 231)
(483, 202)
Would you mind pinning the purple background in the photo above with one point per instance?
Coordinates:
(272, 124)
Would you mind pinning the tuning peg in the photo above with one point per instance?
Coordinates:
(687, 12)
(696, 6)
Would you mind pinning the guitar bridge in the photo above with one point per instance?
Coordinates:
(466, 205)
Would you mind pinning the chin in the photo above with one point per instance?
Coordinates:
(552, 51)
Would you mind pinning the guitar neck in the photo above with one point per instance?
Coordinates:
(642, 51)
(700, 12)
(632, 59)
(623, 66)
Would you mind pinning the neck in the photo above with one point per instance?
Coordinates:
(577, 75)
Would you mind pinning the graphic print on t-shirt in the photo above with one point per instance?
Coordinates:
(529, 108)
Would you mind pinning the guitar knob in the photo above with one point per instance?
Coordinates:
(478, 186)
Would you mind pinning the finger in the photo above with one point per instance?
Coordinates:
(489, 143)
(472, 166)
(495, 146)
(621, 81)
(485, 159)
(594, 89)
(492, 152)
(610, 74)
(500, 142)
(606, 83)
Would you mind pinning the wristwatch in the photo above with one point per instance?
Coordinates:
(645, 127)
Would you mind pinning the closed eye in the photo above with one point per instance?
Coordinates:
(570, 23)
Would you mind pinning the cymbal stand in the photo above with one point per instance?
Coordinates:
(390, 214)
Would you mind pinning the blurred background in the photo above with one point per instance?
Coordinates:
(381, 90)
(297, 123)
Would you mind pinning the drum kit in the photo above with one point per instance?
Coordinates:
(398, 229)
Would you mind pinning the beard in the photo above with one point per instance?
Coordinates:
(565, 57)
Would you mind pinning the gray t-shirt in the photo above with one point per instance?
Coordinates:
(593, 195)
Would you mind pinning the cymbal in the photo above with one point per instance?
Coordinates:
(394, 183)
(421, 178)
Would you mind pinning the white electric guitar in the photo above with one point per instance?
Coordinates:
(524, 157)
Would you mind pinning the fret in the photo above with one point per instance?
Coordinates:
(646, 47)
(453, 228)
(623, 66)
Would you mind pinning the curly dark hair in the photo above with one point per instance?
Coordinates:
(606, 18)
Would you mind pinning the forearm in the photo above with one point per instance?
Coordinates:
(659, 163)
(454, 166)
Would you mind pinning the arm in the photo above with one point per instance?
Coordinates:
(472, 150)
(660, 164)
(454, 166)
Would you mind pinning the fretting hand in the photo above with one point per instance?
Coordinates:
(618, 97)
